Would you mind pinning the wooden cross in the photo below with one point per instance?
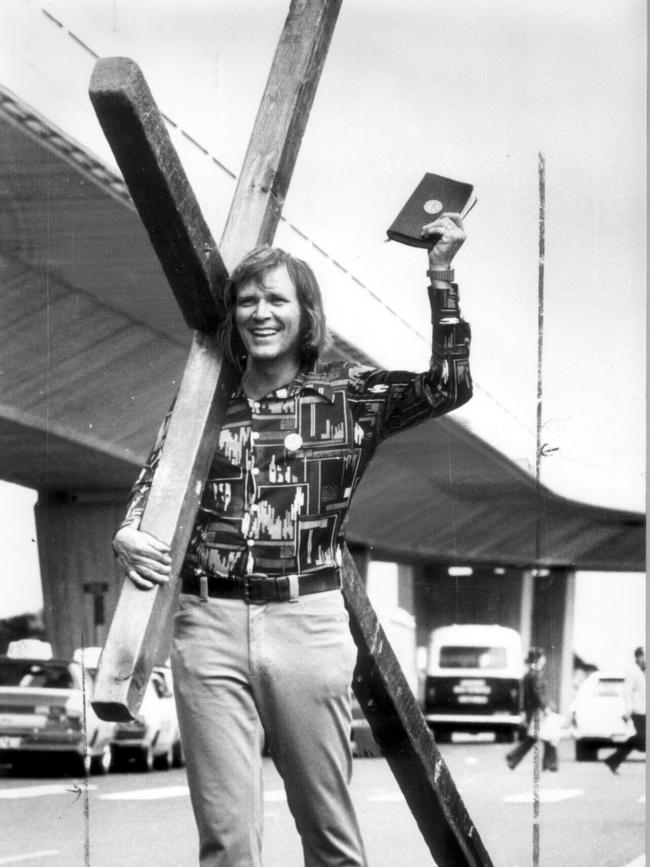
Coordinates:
(197, 271)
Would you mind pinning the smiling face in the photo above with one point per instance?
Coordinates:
(268, 316)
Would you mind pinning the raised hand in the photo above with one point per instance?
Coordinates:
(450, 233)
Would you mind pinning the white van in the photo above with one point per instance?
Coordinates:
(473, 681)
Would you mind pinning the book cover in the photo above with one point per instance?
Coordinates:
(433, 196)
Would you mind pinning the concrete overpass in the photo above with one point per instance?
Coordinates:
(92, 347)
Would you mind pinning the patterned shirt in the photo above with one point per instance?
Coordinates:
(286, 465)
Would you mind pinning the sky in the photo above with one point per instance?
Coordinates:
(472, 90)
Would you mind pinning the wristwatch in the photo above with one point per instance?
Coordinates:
(441, 274)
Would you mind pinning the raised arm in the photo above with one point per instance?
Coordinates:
(413, 397)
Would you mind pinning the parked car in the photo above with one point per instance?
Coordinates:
(163, 675)
(597, 714)
(45, 711)
(152, 739)
(473, 681)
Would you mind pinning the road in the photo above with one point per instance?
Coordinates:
(589, 818)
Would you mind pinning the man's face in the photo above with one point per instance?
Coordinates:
(268, 317)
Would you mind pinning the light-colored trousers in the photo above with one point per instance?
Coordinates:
(281, 670)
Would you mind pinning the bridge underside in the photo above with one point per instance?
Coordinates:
(92, 346)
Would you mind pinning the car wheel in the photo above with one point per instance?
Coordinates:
(80, 765)
(178, 760)
(504, 736)
(120, 759)
(164, 761)
(364, 745)
(22, 764)
(586, 752)
(144, 759)
(441, 735)
(102, 763)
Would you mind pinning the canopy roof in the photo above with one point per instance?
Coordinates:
(437, 492)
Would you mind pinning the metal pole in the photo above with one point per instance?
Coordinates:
(541, 171)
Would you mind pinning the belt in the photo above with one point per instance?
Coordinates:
(258, 588)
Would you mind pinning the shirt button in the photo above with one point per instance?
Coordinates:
(292, 442)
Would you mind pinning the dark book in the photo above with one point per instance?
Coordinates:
(432, 197)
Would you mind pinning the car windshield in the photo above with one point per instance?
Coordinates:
(609, 686)
(472, 657)
(29, 673)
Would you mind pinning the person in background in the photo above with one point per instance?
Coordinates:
(634, 694)
(536, 705)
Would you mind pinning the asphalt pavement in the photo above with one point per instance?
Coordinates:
(588, 817)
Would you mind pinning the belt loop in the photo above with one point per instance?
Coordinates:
(203, 587)
(294, 588)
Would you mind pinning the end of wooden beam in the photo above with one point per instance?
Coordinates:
(119, 689)
(127, 658)
(116, 74)
(153, 172)
(112, 711)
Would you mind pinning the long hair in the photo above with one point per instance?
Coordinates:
(313, 328)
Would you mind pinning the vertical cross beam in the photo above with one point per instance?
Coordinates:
(197, 274)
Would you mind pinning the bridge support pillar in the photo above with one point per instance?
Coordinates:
(553, 597)
(79, 574)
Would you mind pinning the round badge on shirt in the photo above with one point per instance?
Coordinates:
(292, 442)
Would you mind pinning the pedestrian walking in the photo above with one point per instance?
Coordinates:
(536, 707)
(634, 694)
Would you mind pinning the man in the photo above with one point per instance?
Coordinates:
(634, 694)
(536, 703)
(262, 649)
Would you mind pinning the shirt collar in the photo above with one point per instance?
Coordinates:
(311, 380)
(305, 380)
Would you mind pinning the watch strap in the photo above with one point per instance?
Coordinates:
(441, 274)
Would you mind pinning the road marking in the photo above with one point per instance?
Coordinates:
(387, 798)
(39, 791)
(173, 792)
(43, 853)
(147, 794)
(546, 796)
(638, 862)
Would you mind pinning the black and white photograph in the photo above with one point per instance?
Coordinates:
(323, 433)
